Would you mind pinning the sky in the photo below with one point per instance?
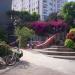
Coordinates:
(71, 0)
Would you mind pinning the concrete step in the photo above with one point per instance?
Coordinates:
(55, 46)
(63, 49)
(56, 53)
(62, 57)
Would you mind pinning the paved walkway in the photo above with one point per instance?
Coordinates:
(61, 65)
(26, 68)
(33, 63)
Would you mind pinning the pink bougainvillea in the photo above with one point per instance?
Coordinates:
(41, 27)
(57, 23)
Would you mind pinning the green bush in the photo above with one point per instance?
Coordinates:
(19, 53)
(69, 43)
(4, 49)
(24, 33)
(3, 34)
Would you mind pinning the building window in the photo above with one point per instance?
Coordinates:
(44, 12)
(34, 9)
(54, 5)
(37, 7)
(45, 5)
(51, 9)
(45, 1)
(45, 17)
(50, 3)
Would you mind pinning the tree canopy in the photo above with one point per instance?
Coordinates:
(68, 12)
(54, 16)
(24, 15)
(25, 34)
(34, 16)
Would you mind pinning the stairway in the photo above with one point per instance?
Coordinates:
(58, 52)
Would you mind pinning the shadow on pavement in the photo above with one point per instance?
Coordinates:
(23, 65)
(2, 66)
(18, 65)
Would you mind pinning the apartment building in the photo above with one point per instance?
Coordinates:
(17, 5)
(43, 7)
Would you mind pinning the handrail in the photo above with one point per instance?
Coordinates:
(14, 42)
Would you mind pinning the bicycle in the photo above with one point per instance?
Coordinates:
(16, 53)
(12, 59)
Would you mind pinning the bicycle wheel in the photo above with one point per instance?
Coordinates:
(10, 60)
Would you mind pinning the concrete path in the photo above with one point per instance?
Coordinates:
(60, 65)
(34, 63)
(26, 68)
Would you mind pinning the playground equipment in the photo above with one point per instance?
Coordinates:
(48, 42)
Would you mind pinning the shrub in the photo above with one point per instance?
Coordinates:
(72, 30)
(4, 49)
(70, 35)
(69, 43)
(52, 26)
(3, 36)
(25, 33)
(19, 53)
(40, 27)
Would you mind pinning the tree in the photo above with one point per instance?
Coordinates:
(25, 16)
(68, 12)
(25, 34)
(34, 16)
(3, 34)
(13, 13)
(54, 16)
(14, 16)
